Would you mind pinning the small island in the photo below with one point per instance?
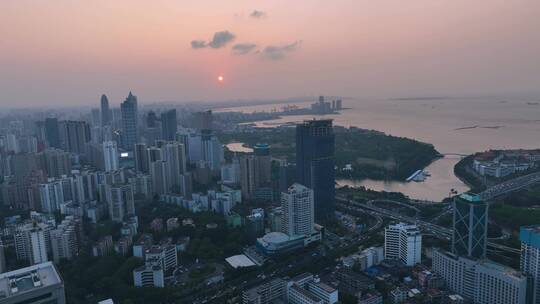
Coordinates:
(361, 154)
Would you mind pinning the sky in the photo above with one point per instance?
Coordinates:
(69, 52)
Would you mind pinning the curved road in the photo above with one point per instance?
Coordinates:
(439, 231)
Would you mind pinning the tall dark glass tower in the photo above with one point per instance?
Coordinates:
(52, 132)
(315, 143)
(74, 135)
(129, 122)
(169, 125)
(470, 226)
(106, 115)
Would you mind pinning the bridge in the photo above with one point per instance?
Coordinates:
(510, 186)
(455, 154)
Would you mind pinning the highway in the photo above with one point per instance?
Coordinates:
(436, 230)
(510, 185)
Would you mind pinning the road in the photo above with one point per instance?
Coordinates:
(510, 185)
(438, 231)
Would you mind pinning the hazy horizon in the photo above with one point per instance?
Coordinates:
(70, 52)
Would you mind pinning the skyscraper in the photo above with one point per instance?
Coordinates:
(248, 175)
(470, 226)
(161, 183)
(110, 156)
(106, 115)
(129, 122)
(141, 158)
(74, 135)
(530, 257)
(315, 163)
(55, 162)
(120, 200)
(212, 151)
(264, 160)
(52, 133)
(298, 211)
(203, 120)
(175, 156)
(169, 125)
(52, 196)
(31, 242)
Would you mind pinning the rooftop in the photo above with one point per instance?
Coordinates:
(471, 197)
(327, 288)
(27, 279)
(238, 261)
(275, 237)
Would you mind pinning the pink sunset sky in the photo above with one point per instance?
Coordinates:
(68, 52)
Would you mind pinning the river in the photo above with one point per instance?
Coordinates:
(453, 126)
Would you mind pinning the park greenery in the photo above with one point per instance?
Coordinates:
(371, 154)
(89, 278)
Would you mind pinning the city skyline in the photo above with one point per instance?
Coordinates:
(257, 152)
(170, 51)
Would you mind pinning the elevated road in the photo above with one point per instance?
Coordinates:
(510, 186)
(438, 231)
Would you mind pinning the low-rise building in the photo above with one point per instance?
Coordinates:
(371, 297)
(149, 276)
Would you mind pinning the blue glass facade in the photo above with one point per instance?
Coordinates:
(470, 226)
(530, 235)
(315, 163)
(129, 122)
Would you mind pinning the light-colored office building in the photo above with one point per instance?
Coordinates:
(481, 281)
(298, 210)
(403, 242)
(149, 276)
(110, 156)
(37, 284)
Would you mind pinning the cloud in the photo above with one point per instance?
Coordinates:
(273, 52)
(257, 14)
(221, 39)
(198, 44)
(243, 48)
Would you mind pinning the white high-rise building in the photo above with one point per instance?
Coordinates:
(161, 183)
(212, 152)
(12, 143)
(403, 242)
(52, 196)
(230, 173)
(298, 210)
(64, 243)
(110, 156)
(175, 156)
(121, 201)
(530, 257)
(32, 242)
(480, 281)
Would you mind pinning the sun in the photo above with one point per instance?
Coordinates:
(220, 78)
